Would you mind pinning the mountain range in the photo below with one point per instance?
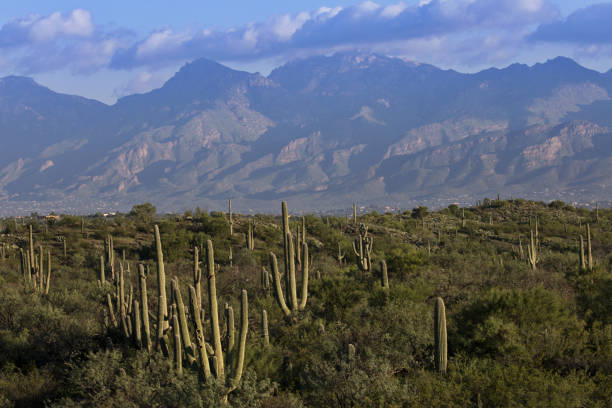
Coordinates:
(319, 132)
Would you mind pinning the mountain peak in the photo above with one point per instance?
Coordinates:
(17, 82)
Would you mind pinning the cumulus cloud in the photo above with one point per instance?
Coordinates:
(367, 24)
(42, 29)
(73, 40)
(590, 25)
(37, 43)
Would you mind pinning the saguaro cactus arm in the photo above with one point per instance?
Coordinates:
(278, 290)
(244, 327)
(199, 337)
(304, 298)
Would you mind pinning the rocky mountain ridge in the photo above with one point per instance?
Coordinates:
(320, 133)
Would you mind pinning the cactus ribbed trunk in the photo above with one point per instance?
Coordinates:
(278, 290)
(230, 335)
(582, 260)
(178, 355)
(440, 346)
(162, 342)
(197, 276)
(286, 231)
(137, 328)
(532, 251)
(214, 312)
(244, 328)
(384, 278)
(589, 253)
(291, 273)
(122, 306)
(194, 311)
(264, 327)
(180, 309)
(41, 269)
(161, 280)
(142, 286)
(355, 212)
(305, 271)
(109, 303)
(48, 273)
(230, 218)
(31, 253)
(102, 277)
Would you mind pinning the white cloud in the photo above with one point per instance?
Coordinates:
(393, 10)
(77, 23)
(285, 26)
(73, 41)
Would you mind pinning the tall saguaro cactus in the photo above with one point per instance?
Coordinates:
(144, 302)
(230, 219)
(362, 247)
(582, 259)
(384, 277)
(236, 362)
(440, 347)
(292, 292)
(532, 251)
(589, 253)
(214, 311)
(250, 241)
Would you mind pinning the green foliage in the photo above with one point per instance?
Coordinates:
(516, 337)
(143, 212)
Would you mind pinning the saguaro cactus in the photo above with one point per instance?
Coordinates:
(264, 328)
(440, 347)
(236, 363)
(250, 241)
(214, 311)
(339, 255)
(532, 252)
(292, 293)
(31, 248)
(589, 253)
(362, 247)
(582, 259)
(384, 278)
(354, 212)
(179, 308)
(197, 276)
(102, 277)
(144, 302)
(161, 279)
(230, 220)
(48, 273)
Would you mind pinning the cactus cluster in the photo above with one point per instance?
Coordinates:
(362, 247)
(33, 266)
(295, 305)
(172, 329)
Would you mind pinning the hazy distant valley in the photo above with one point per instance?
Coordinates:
(320, 133)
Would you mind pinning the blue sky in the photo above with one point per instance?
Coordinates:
(107, 49)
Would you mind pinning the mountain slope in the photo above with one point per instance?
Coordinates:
(319, 132)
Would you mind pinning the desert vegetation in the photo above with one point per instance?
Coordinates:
(505, 303)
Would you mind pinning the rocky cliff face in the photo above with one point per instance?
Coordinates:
(319, 132)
